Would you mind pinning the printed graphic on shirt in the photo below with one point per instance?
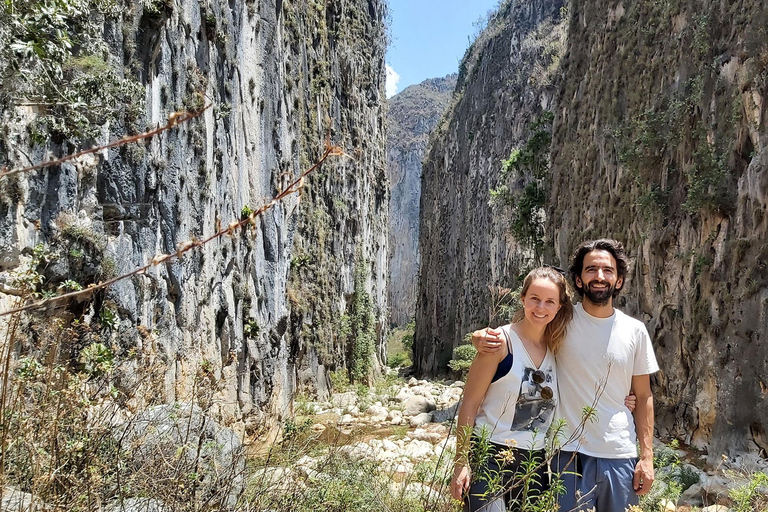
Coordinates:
(535, 404)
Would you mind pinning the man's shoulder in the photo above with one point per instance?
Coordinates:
(629, 323)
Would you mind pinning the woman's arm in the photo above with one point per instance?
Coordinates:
(479, 378)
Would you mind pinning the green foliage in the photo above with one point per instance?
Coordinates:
(747, 497)
(525, 193)
(245, 212)
(708, 182)
(463, 355)
(339, 380)
(97, 360)
(251, 329)
(109, 318)
(293, 430)
(28, 277)
(51, 55)
(400, 346)
(362, 322)
(399, 360)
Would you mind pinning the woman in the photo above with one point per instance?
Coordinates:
(509, 397)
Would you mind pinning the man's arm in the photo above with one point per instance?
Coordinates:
(641, 384)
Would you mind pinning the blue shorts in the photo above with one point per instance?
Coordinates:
(593, 482)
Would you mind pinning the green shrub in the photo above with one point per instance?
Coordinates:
(463, 355)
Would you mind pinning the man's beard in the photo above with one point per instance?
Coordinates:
(599, 297)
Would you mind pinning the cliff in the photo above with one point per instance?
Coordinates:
(505, 83)
(411, 117)
(265, 312)
(658, 139)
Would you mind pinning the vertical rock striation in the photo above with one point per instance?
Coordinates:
(658, 140)
(505, 82)
(260, 309)
(412, 116)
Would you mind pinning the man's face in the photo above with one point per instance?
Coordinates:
(598, 277)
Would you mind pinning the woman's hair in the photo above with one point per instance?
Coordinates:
(555, 330)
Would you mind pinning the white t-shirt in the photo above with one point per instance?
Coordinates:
(600, 356)
(518, 408)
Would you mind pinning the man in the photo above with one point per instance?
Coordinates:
(605, 355)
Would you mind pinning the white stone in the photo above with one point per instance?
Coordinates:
(458, 384)
(421, 419)
(353, 410)
(16, 500)
(716, 508)
(403, 395)
(393, 414)
(668, 506)
(377, 412)
(417, 404)
(346, 420)
(412, 381)
(423, 435)
(419, 450)
(343, 400)
(421, 391)
(390, 446)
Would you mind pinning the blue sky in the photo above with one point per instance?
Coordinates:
(429, 37)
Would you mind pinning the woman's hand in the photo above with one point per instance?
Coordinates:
(487, 341)
(630, 401)
(460, 482)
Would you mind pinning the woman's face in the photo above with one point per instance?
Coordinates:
(541, 302)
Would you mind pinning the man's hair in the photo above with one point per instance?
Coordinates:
(604, 244)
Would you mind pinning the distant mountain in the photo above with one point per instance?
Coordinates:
(413, 114)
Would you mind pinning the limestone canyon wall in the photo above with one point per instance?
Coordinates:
(659, 140)
(263, 310)
(412, 115)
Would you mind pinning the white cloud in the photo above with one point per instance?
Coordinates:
(392, 79)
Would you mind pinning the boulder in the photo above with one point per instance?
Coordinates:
(416, 405)
(443, 414)
(175, 440)
(14, 500)
(418, 450)
(343, 400)
(421, 419)
(377, 413)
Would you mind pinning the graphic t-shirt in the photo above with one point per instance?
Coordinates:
(596, 361)
(518, 407)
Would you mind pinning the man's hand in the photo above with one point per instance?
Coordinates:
(487, 341)
(643, 476)
(460, 482)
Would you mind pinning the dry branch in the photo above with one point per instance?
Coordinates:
(174, 119)
(183, 247)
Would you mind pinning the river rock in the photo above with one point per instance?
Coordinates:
(377, 413)
(441, 415)
(416, 405)
(419, 450)
(14, 500)
(421, 419)
(344, 400)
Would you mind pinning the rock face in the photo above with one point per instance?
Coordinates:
(658, 140)
(262, 309)
(412, 116)
(504, 84)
